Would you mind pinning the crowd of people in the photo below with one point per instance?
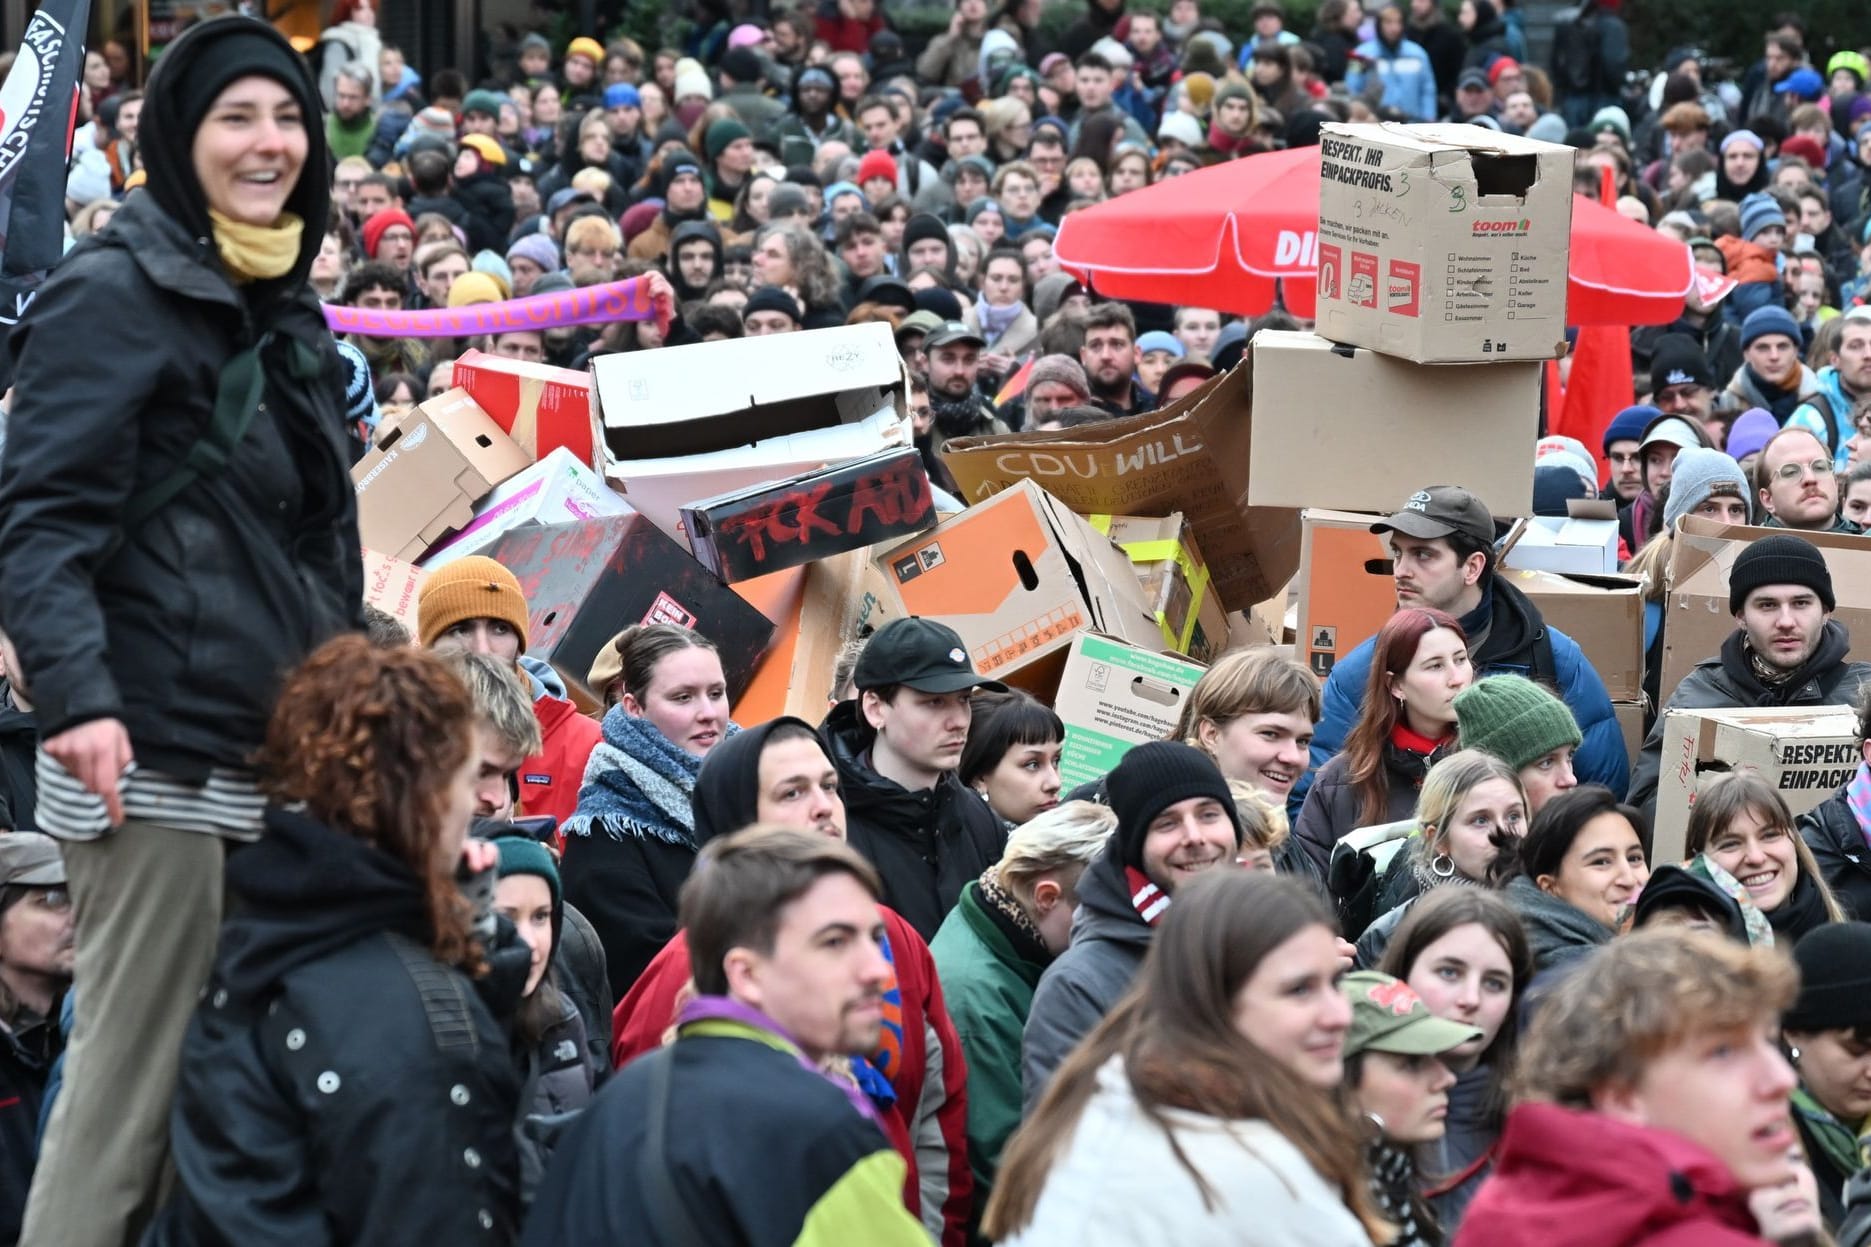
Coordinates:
(313, 930)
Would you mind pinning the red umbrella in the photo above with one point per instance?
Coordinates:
(1223, 236)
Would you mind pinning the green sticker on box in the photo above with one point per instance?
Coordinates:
(1113, 696)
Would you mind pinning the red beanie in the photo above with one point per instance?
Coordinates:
(1502, 65)
(1806, 148)
(877, 164)
(374, 227)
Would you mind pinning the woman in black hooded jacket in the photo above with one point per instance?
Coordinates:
(164, 566)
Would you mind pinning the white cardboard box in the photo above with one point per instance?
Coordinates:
(1443, 243)
(1575, 545)
(556, 489)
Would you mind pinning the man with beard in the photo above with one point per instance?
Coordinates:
(812, 123)
(1110, 359)
(786, 946)
(694, 259)
(1786, 649)
(954, 354)
(1176, 820)
(685, 198)
(1797, 484)
(1842, 386)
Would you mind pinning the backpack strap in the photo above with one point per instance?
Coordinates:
(1820, 402)
(668, 1212)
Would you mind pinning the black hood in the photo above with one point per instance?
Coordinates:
(1513, 628)
(201, 63)
(1834, 645)
(727, 791)
(309, 891)
(1104, 908)
(14, 722)
(869, 797)
(688, 231)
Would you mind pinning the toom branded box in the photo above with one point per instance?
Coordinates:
(689, 422)
(1345, 588)
(1696, 618)
(541, 407)
(1018, 576)
(1359, 430)
(1175, 580)
(429, 468)
(782, 524)
(1805, 753)
(588, 580)
(555, 490)
(1443, 243)
(1112, 696)
(1191, 456)
(391, 585)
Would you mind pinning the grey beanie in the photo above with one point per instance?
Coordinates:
(1697, 475)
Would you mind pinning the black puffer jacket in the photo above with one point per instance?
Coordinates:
(182, 628)
(926, 845)
(1838, 843)
(338, 1084)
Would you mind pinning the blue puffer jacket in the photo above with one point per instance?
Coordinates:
(1810, 418)
(1515, 638)
(1409, 79)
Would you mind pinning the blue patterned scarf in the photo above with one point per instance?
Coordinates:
(638, 783)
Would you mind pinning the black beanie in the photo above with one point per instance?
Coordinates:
(1835, 978)
(1782, 559)
(772, 299)
(1151, 778)
(190, 73)
(923, 227)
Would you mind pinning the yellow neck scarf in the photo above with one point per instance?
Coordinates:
(253, 252)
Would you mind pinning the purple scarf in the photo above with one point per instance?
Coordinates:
(726, 1009)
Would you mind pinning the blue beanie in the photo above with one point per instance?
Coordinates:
(622, 95)
(1758, 211)
(1770, 319)
(1629, 425)
(1157, 340)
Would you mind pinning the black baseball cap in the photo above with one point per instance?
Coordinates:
(1437, 512)
(952, 331)
(921, 653)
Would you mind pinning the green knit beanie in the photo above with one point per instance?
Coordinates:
(522, 855)
(1514, 719)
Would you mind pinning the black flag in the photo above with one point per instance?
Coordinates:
(38, 106)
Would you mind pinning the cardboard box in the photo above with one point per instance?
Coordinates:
(426, 473)
(541, 407)
(1018, 576)
(556, 490)
(1805, 752)
(688, 422)
(1604, 614)
(1696, 619)
(779, 524)
(1585, 541)
(1112, 696)
(1175, 580)
(391, 585)
(1444, 243)
(1191, 456)
(1355, 430)
(1345, 588)
(588, 580)
(1630, 716)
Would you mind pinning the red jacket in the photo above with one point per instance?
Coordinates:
(844, 34)
(550, 779)
(1567, 1178)
(921, 1056)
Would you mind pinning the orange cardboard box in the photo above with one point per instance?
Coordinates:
(1020, 575)
(1345, 589)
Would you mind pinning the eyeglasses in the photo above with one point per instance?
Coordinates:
(1793, 471)
(55, 899)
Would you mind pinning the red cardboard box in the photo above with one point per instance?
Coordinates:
(538, 406)
(589, 580)
(781, 524)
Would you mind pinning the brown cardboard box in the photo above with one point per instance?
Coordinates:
(1113, 696)
(428, 469)
(1444, 243)
(1805, 752)
(1345, 589)
(1630, 716)
(1019, 576)
(1175, 580)
(1355, 430)
(1604, 614)
(1696, 619)
(391, 585)
(1192, 456)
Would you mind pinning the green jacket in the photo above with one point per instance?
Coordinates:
(988, 985)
